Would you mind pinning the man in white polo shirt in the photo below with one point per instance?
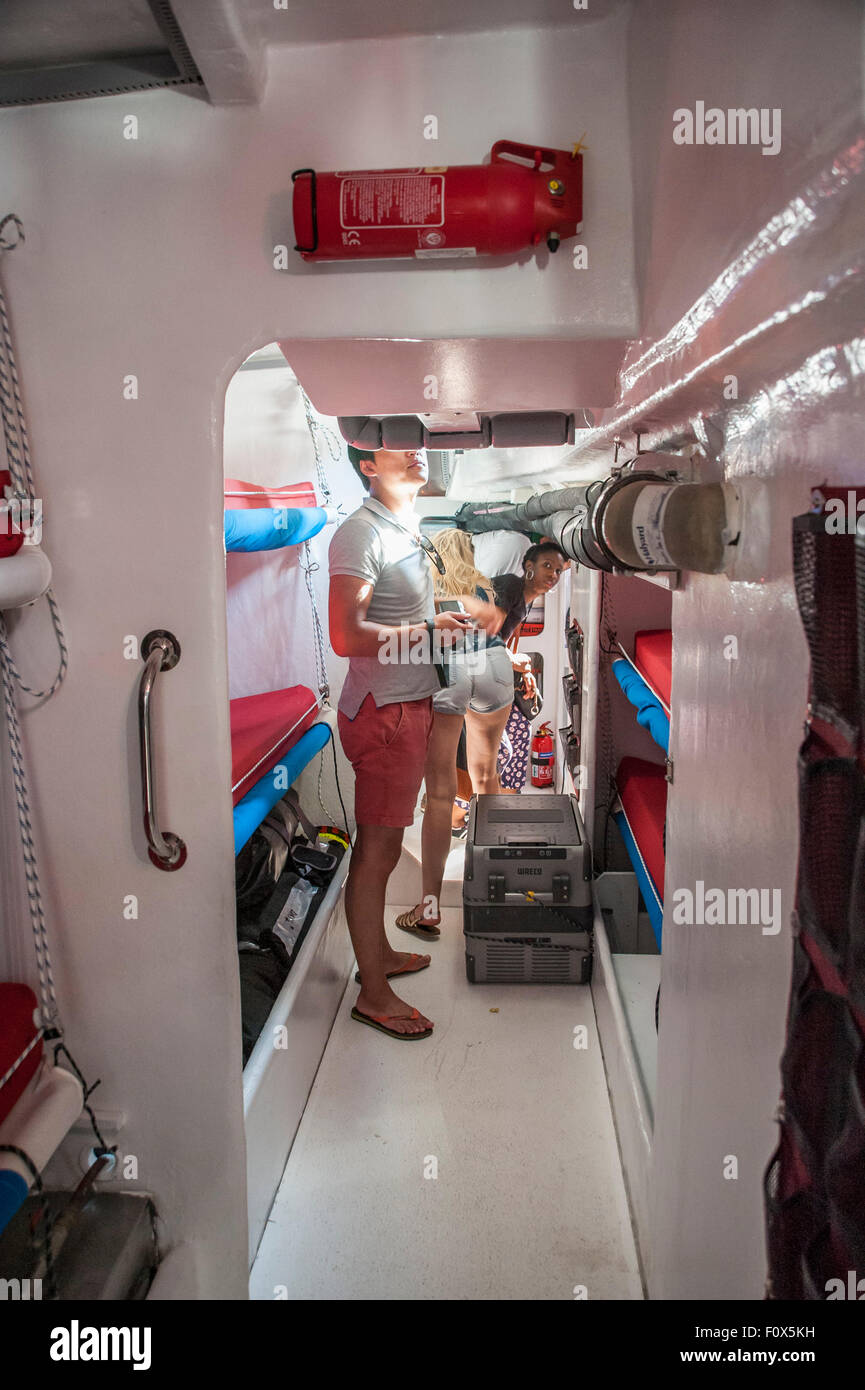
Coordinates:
(382, 609)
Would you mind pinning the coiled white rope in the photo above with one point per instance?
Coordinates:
(21, 469)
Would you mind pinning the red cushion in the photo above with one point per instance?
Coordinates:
(263, 728)
(239, 494)
(17, 1030)
(653, 658)
(643, 791)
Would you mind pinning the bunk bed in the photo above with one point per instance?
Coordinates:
(273, 737)
(271, 528)
(292, 973)
(646, 680)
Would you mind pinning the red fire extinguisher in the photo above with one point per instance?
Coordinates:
(543, 757)
(11, 533)
(524, 195)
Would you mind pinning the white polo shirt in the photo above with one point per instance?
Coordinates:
(375, 545)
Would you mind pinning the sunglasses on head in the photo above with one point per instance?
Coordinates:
(430, 551)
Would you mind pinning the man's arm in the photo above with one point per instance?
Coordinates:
(351, 632)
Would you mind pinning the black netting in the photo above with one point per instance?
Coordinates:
(823, 573)
(814, 1072)
(856, 975)
(860, 623)
(831, 806)
(845, 1172)
(815, 1211)
(794, 1222)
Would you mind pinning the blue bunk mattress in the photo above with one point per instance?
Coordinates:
(271, 528)
(649, 892)
(650, 712)
(263, 796)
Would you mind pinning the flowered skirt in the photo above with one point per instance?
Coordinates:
(513, 769)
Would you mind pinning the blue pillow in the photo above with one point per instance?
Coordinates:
(651, 714)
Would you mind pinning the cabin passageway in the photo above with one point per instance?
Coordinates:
(479, 1164)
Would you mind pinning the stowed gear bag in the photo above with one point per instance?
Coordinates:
(271, 921)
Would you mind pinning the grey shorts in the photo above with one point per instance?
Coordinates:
(482, 681)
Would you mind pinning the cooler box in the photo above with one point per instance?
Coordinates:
(527, 891)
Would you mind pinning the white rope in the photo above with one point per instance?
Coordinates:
(309, 570)
(316, 429)
(24, 1055)
(21, 470)
(50, 1012)
(20, 462)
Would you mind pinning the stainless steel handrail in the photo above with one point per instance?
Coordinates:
(160, 651)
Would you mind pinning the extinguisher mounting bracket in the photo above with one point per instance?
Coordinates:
(313, 209)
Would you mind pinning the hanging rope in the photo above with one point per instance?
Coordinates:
(17, 444)
(309, 569)
(20, 463)
(21, 469)
(319, 431)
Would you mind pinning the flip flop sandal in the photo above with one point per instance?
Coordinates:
(406, 922)
(389, 974)
(380, 1022)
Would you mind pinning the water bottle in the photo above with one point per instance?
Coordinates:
(296, 907)
(297, 904)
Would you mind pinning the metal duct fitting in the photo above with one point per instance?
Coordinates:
(634, 520)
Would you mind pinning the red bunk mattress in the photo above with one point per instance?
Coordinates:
(643, 792)
(239, 494)
(653, 658)
(263, 728)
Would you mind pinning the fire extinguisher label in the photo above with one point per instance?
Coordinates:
(429, 252)
(647, 525)
(388, 200)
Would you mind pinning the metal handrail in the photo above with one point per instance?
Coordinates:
(160, 651)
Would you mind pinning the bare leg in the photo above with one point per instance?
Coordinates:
(483, 736)
(374, 857)
(440, 776)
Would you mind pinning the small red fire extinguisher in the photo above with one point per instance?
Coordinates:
(543, 757)
(526, 194)
(11, 535)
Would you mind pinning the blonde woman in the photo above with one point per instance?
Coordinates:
(480, 690)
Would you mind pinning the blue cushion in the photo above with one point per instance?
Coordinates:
(271, 528)
(651, 714)
(263, 796)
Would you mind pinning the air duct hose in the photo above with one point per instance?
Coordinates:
(632, 520)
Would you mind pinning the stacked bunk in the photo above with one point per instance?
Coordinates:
(646, 680)
(274, 735)
(259, 518)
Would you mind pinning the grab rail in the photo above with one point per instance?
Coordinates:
(160, 651)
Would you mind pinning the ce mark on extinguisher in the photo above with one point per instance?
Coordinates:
(351, 239)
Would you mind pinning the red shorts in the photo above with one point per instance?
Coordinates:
(387, 748)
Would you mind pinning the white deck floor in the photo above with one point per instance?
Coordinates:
(529, 1200)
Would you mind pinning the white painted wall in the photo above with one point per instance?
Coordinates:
(736, 726)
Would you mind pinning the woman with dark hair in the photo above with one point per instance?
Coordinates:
(542, 568)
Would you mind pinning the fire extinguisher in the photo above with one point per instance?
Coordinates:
(525, 194)
(25, 574)
(543, 757)
(11, 536)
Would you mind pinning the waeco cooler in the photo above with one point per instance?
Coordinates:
(527, 892)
